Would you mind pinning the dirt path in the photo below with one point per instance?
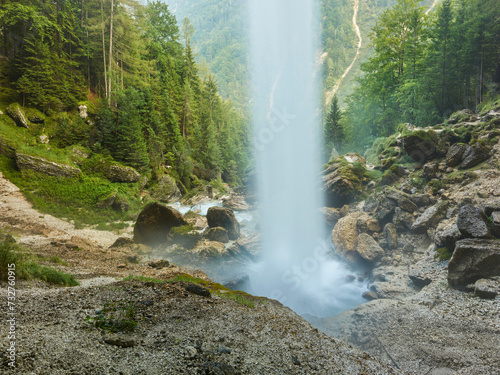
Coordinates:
(330, 94)
(432, 6)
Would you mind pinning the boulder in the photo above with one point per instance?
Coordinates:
(487, 288)
(491, 207)
(495, 223)
(472, 222)
(422, 200)
(455, 153)
(17, 114)
(107, 200)
(218, 234)
(236, 203)
(402, 219)
(121, 204)
(6, 148)
(166, 190)
(45, 166)
(431, 217)
(115, 172)
(421, 145)
(368, 249)
(475, 154)
(155, 222)
(420, 281)
(429, 171)
(82, 108)
(391, 235)
(473, 259)
(343, 180)
(402, 199)
(330, 216)
(448, 237)
(184, 235)
(345, 235)
(368, 224)
(224, 217)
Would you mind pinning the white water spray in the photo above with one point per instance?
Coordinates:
(295, 268)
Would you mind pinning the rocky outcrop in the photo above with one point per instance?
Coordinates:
(345, 237)
(115, 172)
(44, 166)
(155, 222)
(487, 288)
(448, 237)
(224, 217)
(166, 190)
(473, 259)
(17, 114)
(431, 217)
(455, 153)
(472, 222)
(421, 145)
(391, 235)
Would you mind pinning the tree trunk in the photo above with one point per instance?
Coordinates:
(110, 51)
(104, 53)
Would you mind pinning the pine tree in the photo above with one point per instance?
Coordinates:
(334, 131)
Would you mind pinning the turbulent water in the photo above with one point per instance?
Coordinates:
(295, 268)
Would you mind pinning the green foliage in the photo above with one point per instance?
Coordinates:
(143, 279)
(443, 254)
(334, 130)
(26, 268)
(115, 317)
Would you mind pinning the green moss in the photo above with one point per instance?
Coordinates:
(443, 254)
(144, 279)
(436, 185)
(183, 230)
(115, 317)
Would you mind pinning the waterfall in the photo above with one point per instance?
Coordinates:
(295, 267)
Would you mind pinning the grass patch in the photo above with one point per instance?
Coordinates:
(26, 268)
(115, 317)
(144, 279)
(73, 198)
(443, 254)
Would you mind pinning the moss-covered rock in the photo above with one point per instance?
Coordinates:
(16, 113)
(185, 236)
(422, 145)
(166, 190)
(44, 166)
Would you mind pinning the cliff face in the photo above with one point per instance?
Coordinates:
(435, 259)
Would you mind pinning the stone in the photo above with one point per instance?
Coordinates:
(17, 114)
(402, 220)
(122, 242)
(491, 207)
(402, 199)
(472, 222)
(429, 170)
(155, 222)
(246, 248)
(431, 217)
(475, 154)
(345, 235)
(123, 342)
(487, 288)
(217, 368)
(421, 145)
(206, 249)
(107, 200)
(166, 190)
(391, 235)
(224, 217)
(385, 209)
(473, 259)
(236, 203)
(218, 234)
(82, 108)
(420, 281)
(45, 166)
(198, 290)
(121, 204)
(44, 139)
(448, 237)
(370, 296)
(422, 200)
(407, 205)
(455, 153)
(6, 148)
(368, 249)
(159, 264)
(368, 224)
(330, 216)
(115, 172)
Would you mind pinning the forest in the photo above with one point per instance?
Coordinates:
(133, 66)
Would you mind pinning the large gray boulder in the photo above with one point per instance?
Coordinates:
(155, 222)
(44, 166)
(455, 153)
(473, 259)
(368, 249)
(224, 217)
(430, 218)
(472, 222)
(115, 172)
(17, 114)
(475, 154)
(448, 237)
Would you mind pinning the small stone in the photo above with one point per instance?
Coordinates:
(198, 290)
(120, 341)
(190, 352)
(420, 281)
(223, 350)
(370, 296)
(487, 288)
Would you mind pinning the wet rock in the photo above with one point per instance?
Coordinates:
(385, 209)
(330, 216)
(216, 234)
(198, 290)
(224, 217)
(17, 114)
(370, 296)
(368, 249)
(391, 235)
(448, 237)
(455, 153)
(475, 154)
(115, 172)
(344, 236)
(44, 166)
(155, 222)
(473, 259)
(431, 217)
(236, 203)
(166, 190)
(472, 222)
